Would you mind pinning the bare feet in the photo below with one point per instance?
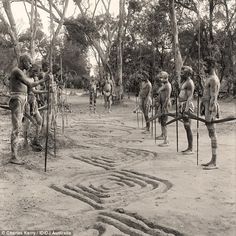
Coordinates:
(209, 166)
(188, 152)
(16, 161)
(160, 137)
(164, 144)
(146, 132)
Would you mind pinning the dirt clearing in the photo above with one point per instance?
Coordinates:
(109, 178)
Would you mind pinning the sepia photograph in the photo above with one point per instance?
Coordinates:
(118, 117)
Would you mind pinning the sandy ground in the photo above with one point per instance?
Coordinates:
(109, 178)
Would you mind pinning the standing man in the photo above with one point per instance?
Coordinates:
(210, 107)
(19, 85)
(42, 98)
(56, 97)
(145, 99)
(107, 91)
(162, 106)
(31, 109)
(186, 104)
(92, 94)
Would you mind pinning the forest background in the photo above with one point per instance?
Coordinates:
(124, 38)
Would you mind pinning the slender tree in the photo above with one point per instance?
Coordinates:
(119, 47)
(11, 25)
(176, 47)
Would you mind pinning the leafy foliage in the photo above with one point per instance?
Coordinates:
(80, 29)
(147, 43)
(75, 64)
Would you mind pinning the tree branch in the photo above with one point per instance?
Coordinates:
(26, 11)
(57, 10)
(86, 8)
(11, 26)
(61, 20)
(10, 32)
(230, 20)
(180, 2)
(78, 3)
(42, 7)
(95, 8)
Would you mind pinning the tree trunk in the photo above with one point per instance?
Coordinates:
(176, 48)
(211, 10)
(234, 73)
(55, 33)
(119, 50)
(11, 27)
(102, 55)
(33, 28)
(232, 60)
(95, 43)
(232, 57)
(60, 24)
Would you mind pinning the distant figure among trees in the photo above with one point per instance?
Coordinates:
(145, 98)
(107, 90)
(162, 106)
(93, 87)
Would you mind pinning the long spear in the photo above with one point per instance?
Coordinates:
(155, 131)
(54, 92)
(48, 92)
(199, 56)
(141, 69)
(66, 99)
(152, 116)
(137, 111)
(61, 101)
(142, 119)
(177, 123)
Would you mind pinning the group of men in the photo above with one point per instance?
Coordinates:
(161, 92)
(28, 91)
(107, 89)
(26, 97)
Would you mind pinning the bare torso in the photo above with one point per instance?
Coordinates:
(165, 92)
(212, 87)
(210, 106)
(108, 86)
(146, 89)
(16, 84)
(186, 91)
(93, 86)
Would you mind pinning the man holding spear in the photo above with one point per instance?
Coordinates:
(210, 108)
(186, 104)
(145, 98)
(19, 85)
(93, 86)
(163, 104)
(31, 108)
